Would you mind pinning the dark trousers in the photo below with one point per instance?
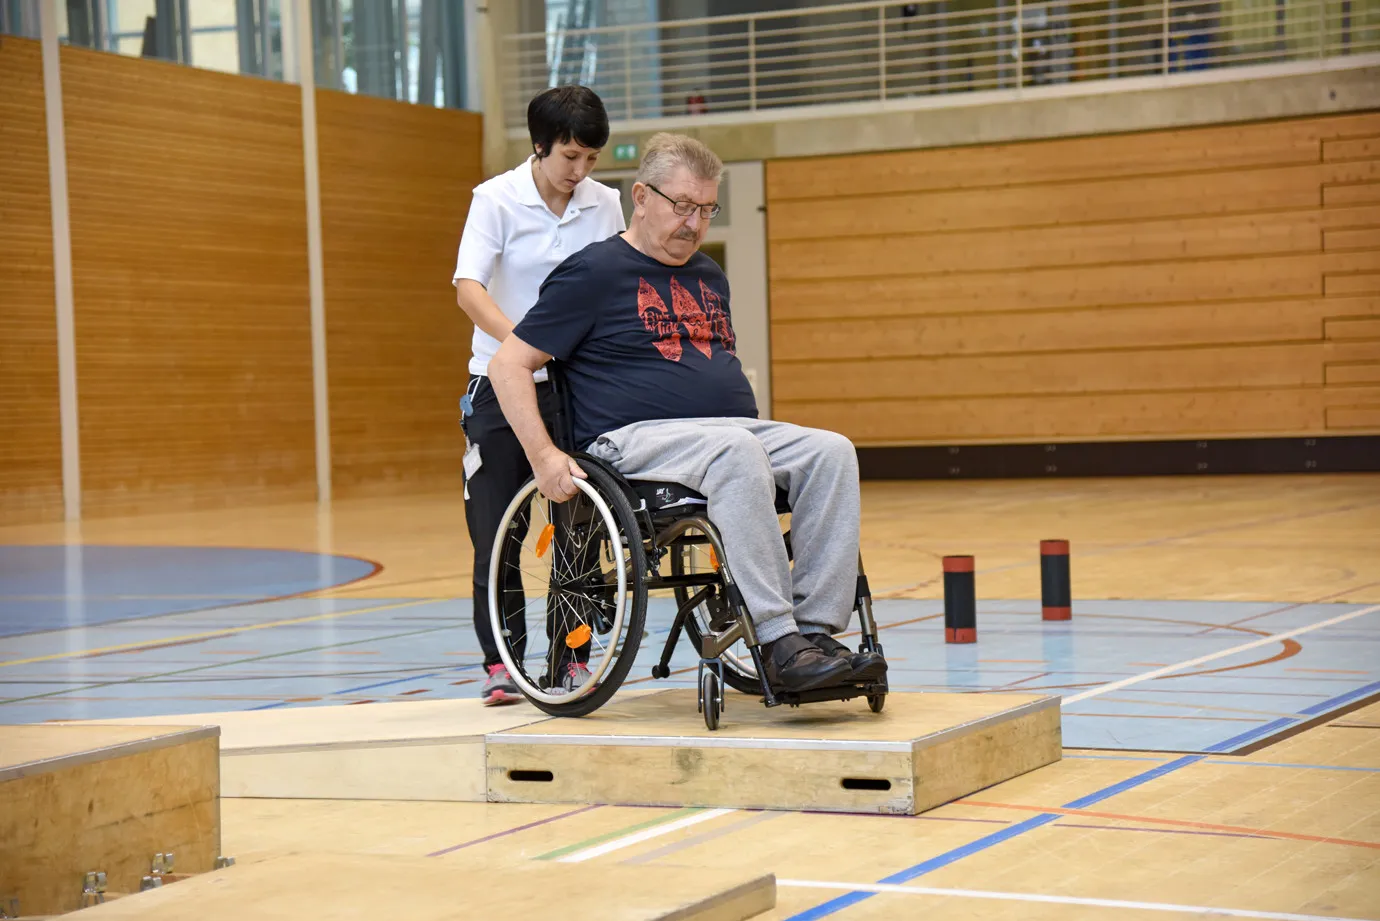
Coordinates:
(503, 470)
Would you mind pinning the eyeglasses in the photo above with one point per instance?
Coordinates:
(687, 208)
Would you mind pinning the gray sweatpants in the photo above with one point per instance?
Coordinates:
(738, 463)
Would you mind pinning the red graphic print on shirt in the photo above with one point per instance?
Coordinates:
(658, 320)
(689, 312)
(718, 317)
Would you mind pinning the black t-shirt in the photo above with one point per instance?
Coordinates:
(639, 340)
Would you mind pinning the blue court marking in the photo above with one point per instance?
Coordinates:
(1233, 762)
(384, 684)
(1254, 735)
(307, 664)
(1346, 698)
(60, 587)
(1232, 702)
(983, 843)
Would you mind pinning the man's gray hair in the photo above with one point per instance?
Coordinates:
(667, 151)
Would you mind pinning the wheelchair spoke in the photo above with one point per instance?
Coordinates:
(512, 567)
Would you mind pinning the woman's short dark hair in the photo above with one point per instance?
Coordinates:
(565, 113)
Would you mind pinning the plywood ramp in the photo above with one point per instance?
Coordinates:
(419, 750)
(922, 751)
(342, 887)
(76, 799)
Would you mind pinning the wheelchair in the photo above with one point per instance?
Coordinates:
(587, 567)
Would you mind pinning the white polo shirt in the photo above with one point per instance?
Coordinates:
(512, 241)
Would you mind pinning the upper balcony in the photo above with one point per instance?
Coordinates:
(881, 56)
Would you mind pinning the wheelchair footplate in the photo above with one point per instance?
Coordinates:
(869, 689)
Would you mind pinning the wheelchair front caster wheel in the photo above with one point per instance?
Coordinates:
(710, 692)
(875, 702)
(661, 672)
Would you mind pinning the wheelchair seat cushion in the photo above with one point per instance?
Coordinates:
(675, 499)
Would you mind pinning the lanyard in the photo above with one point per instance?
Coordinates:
(467, 401)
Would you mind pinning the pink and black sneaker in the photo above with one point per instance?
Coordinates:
(499, 688)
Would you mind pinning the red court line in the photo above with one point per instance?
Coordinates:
(1291, 648)
(512, 831)
(1018, 681)
(1319, 600)
(1183, 823)
(1158, 831)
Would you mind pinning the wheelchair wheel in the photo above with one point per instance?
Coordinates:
(579, 567)
(709, 698)
(739, 672)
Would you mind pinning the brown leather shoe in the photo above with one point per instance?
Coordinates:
(793, 663)
(863, 666)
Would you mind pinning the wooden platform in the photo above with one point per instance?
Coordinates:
(922, 751)
(644, 748)
(418, 750)
(342, 887)
(76, 799)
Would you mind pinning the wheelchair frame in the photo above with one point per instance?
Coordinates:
(729, 621)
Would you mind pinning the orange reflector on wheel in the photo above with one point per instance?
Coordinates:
(578, 637)
(544, 539)
(713, 559)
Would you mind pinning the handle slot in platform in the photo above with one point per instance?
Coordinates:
(866, 783)
(531, 776)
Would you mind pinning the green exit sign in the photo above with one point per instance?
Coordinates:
(624, 153)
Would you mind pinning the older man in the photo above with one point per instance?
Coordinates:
(641, 322)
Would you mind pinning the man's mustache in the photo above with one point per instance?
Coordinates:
(685, 233)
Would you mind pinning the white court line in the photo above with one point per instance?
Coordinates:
(617, 844)
(1058, 900)
(1170, 669)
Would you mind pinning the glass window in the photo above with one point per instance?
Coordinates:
(410, 50)
(19, 17)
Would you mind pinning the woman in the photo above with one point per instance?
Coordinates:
(521, 225)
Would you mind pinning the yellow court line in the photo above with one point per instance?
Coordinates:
(228, 631)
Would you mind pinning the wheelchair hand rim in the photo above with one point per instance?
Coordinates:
(496, 615)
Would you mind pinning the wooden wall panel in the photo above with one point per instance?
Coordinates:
(395, 187)
(1187, 150)
(31, 444)
(188, 215)
(1197, 282)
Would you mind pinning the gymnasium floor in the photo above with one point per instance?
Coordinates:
(1247, 781)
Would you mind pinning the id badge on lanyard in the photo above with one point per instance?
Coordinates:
(472, 460)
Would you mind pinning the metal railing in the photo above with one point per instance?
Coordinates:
(880, 51)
